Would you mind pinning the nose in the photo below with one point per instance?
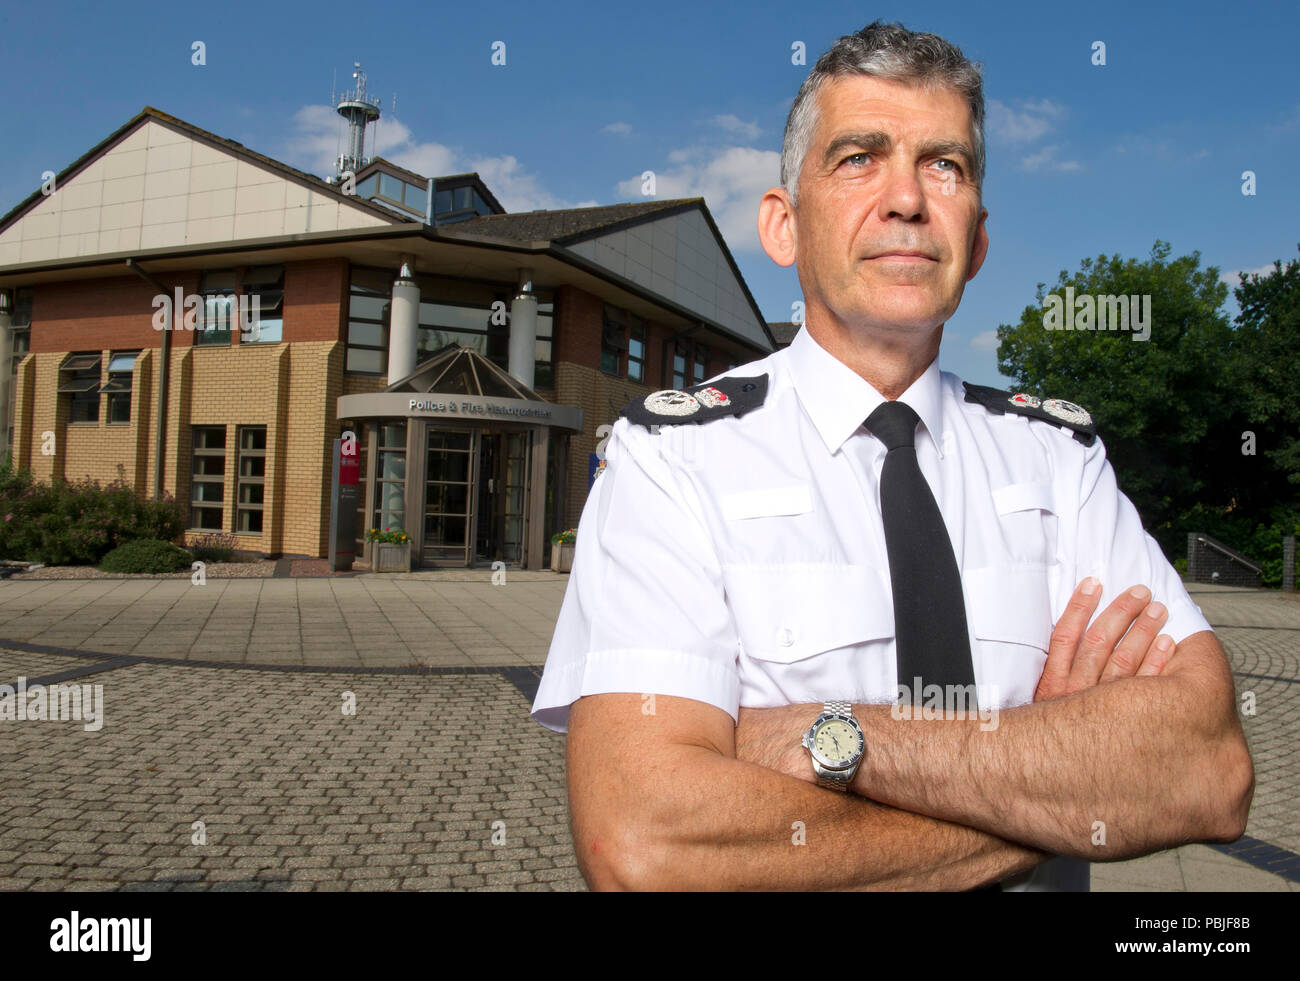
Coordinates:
(902, 196)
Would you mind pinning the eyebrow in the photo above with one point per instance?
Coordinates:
(877, 141)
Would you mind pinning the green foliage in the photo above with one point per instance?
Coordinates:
(216, 546)
(146, 555)
(1173, 411)
(76, 522)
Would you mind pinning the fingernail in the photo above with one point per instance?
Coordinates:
(1140, 592)
(1156, 610)
(1090, 586)
(1164, 642)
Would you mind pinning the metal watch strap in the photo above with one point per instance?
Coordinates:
(835, 708)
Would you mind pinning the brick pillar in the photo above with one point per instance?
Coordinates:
(1192, 570)
(1288, 563)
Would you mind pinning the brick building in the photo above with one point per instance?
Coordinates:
(196, 318)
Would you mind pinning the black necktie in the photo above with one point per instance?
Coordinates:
(929, 610)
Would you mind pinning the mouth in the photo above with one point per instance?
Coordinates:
(905, 255)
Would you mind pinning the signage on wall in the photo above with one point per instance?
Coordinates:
(345, 498)
(478, 407)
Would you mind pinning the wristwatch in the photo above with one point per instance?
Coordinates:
(836, 744)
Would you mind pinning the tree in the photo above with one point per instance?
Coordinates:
(1268, 377)
(1160, 404)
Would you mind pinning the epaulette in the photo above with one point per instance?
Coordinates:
(699, 403)
(1058, 411)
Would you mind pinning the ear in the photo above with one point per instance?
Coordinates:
(776, 226)
(980, 248)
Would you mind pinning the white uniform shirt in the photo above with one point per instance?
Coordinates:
(741, 561)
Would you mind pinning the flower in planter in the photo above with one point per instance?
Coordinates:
(389, 536)
(569, 537)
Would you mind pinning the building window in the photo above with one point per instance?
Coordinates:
(368, 317)
(266, 323)
(79, 378)
(390, 477)
(613, 340)
(636, 350)
(121, 371)
(544, 367)
(21, 326)
(217, 315)
(687, 366)
(252, 480)
(208, 479)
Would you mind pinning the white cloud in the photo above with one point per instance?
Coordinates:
(1233, 279)
(319, 135)
(1046, 160)
(986, 340)
(730, 179)
(736, 125)
(1031, 120)
(621, 128)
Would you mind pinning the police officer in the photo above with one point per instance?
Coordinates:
(827, 621)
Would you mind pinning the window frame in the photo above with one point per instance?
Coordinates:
(196, 478)
(120, 384)
(241, 481)
(82, 386)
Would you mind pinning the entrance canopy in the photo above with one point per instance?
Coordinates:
(458, 383)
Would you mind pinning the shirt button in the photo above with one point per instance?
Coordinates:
(785, 637)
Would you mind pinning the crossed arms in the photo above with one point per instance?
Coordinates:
(1125, 729)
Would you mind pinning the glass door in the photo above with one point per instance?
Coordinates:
(447, 497)
(515, 495)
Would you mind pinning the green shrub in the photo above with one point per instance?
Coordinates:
(216, 546)
(146, 555)
(77, 522)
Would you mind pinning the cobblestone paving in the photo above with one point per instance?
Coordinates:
(293, 794)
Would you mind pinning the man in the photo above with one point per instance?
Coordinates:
(764, 563)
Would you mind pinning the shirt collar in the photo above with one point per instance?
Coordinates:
(838, 400)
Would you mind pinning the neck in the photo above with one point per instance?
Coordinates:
(890, 365)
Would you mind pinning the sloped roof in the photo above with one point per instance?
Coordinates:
(220, 142)
(570, 223)
(459, 370)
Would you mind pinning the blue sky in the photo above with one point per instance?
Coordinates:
(1081, 159)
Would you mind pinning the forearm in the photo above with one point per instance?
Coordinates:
(727, 825)
(656, 805)
(1114, 771)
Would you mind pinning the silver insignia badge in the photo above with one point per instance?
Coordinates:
(1020, 398)
(671, 402)
(1067, 411)
(711, 397)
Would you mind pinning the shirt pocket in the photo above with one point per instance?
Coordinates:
(766, 502)
(1027, 521)
(1010, 604)
(786, 613)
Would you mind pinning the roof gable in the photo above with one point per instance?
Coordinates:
(681, 256)
(160, 183)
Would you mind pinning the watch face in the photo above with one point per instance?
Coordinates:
(837, 743)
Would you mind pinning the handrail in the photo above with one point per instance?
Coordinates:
(1235, 556)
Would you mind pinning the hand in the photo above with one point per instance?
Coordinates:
(770, 741)
(1080, 656)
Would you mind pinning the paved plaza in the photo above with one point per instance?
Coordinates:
(372, 732)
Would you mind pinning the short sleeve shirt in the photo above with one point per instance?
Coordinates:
(742, 561)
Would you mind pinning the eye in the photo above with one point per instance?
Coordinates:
(863, 154)
(955, 168)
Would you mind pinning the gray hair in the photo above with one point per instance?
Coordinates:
(893, 53)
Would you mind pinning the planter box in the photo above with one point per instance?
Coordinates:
(389, 557)
(562, 557)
